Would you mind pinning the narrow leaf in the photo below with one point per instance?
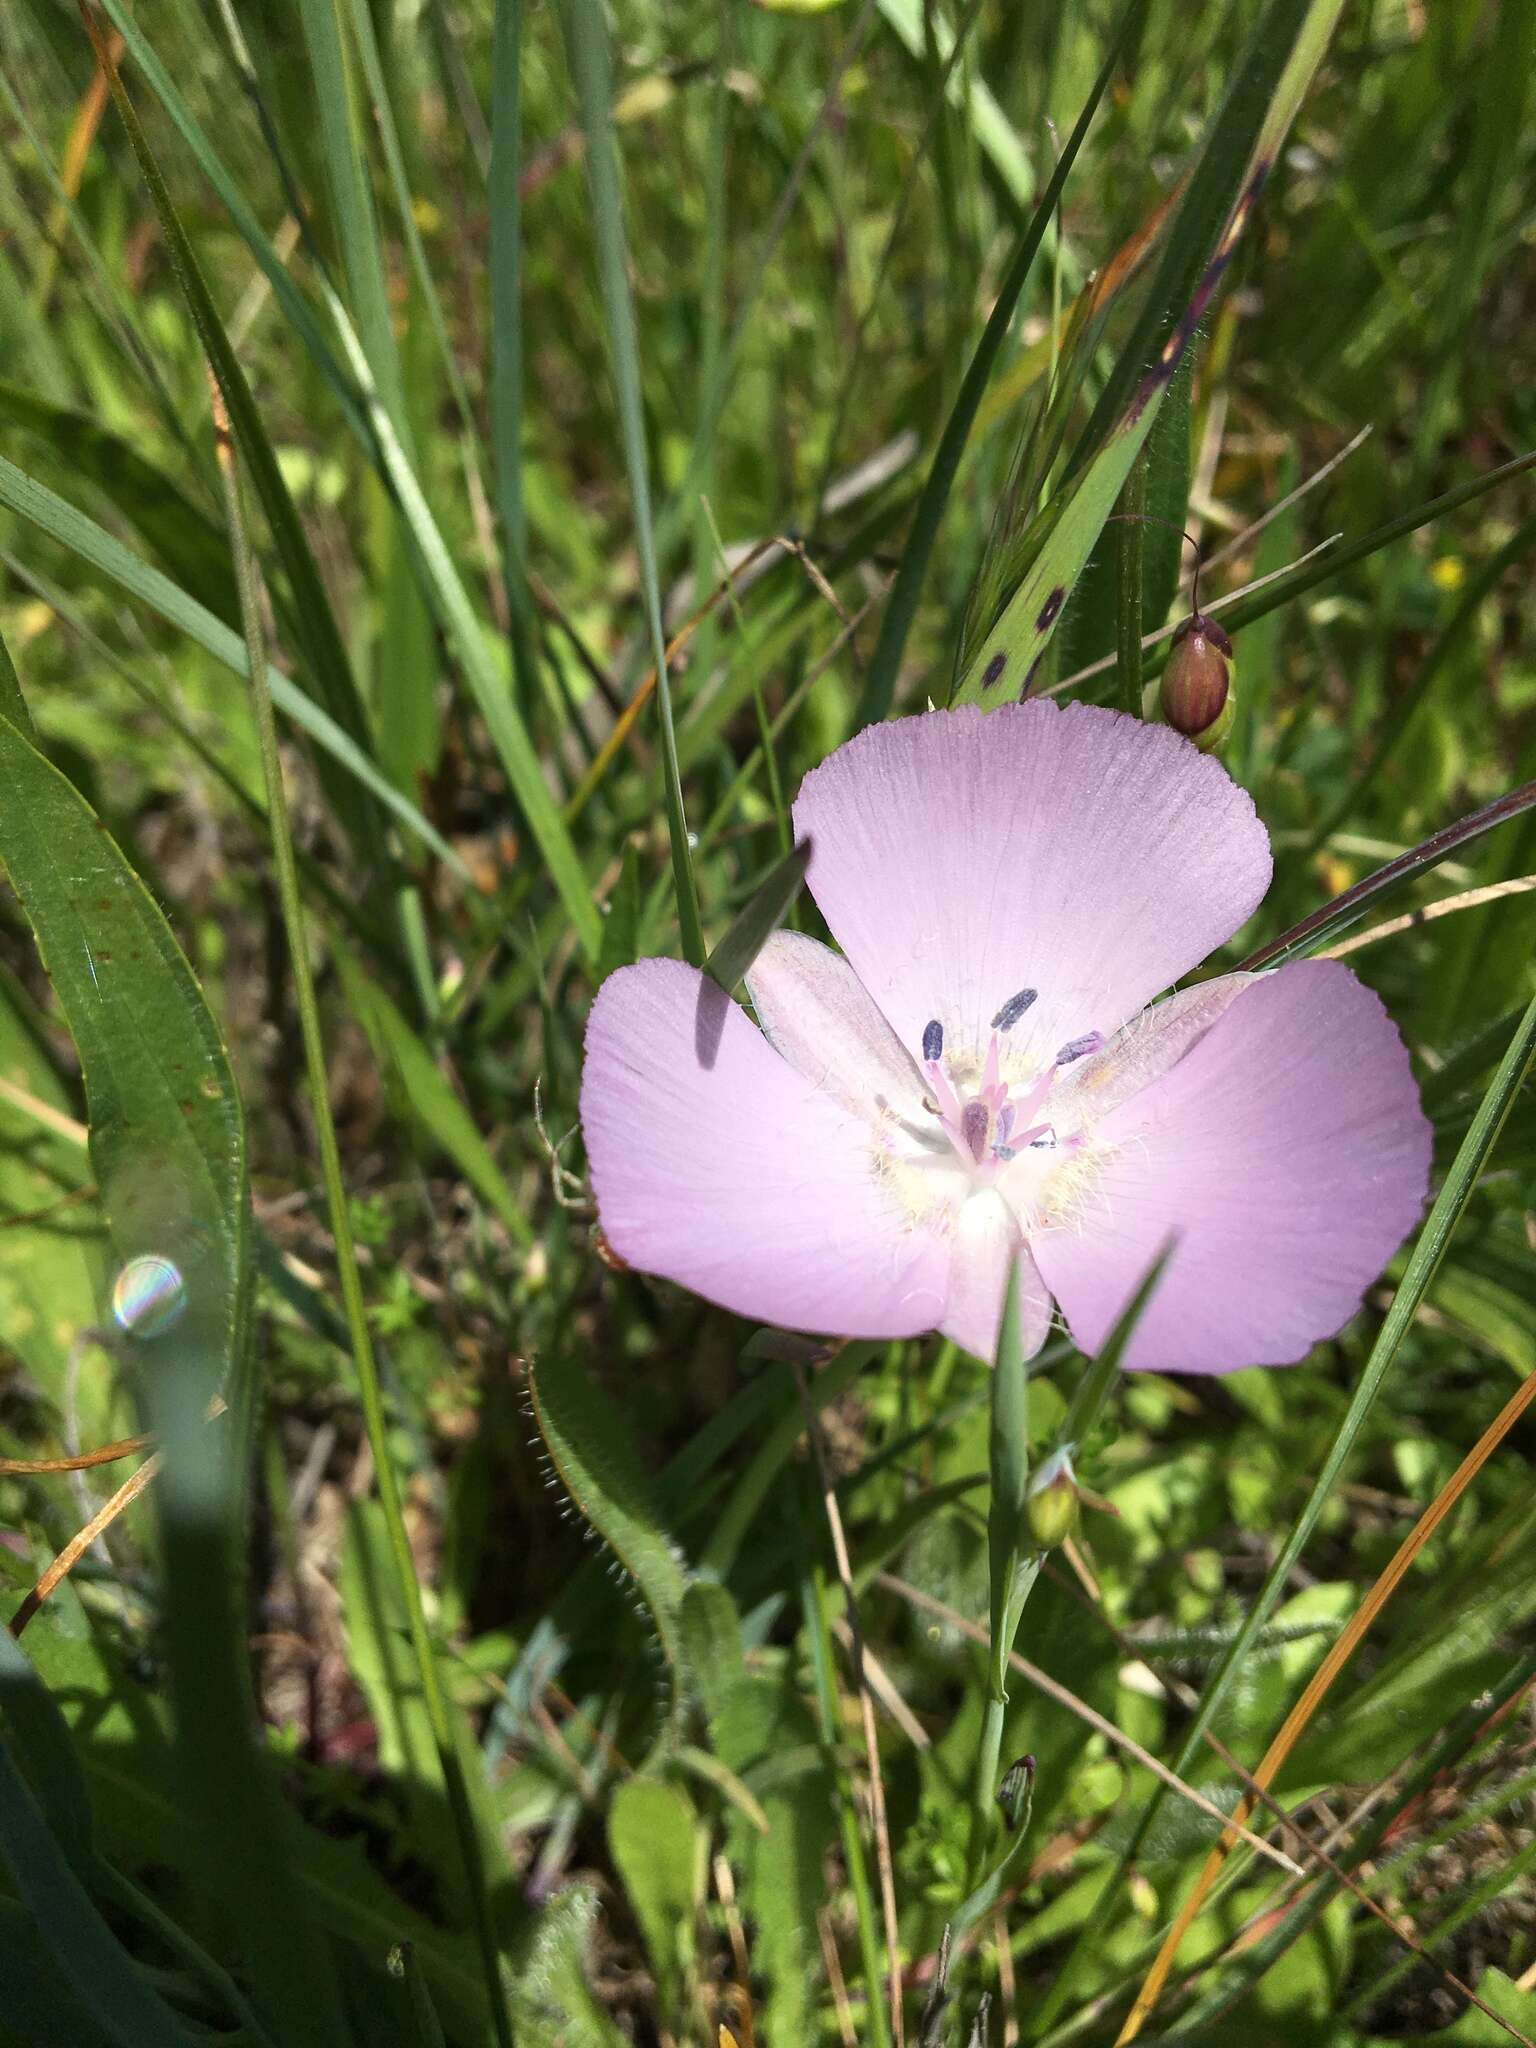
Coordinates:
(901, 606)
(1266, 90)
(759, 918)
(586, 32)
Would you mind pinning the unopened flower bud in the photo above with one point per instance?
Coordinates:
(1196, 696)
(1051, 1509)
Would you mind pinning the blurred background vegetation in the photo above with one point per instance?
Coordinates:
(528, 319)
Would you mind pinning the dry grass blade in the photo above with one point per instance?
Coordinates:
(1469, 899)
(1318, 1688)
(43, 1113)
(1241, 541)
(83, 1461)
(1043, 1682)
(1427, 854)
(78, 1545)
(1216, 606)
(1305, 1846)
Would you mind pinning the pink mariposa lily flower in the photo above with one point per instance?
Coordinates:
(977, 1079)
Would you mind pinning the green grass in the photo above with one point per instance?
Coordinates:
(525, 319)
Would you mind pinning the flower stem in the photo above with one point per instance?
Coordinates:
(1012, 1568)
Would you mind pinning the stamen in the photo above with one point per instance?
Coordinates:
(1077, 1048)
(975, 1126)
(933, 1040)
(945, 1096)
(1014, 1009)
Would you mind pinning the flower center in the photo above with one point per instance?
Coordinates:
(990, 1121)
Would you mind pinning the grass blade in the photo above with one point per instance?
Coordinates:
(357, 226)
(44, 509)
(1339, 1654)
(296, 308)
(506, 289)
(320, 640)
(901, 606)
(586, 34)
(463, 629)
(433, 1104)
(391, 1501)
(1266, 90)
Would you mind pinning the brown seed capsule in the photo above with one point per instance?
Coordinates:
(1196, 696)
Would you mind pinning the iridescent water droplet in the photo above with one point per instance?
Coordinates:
(148, 1296)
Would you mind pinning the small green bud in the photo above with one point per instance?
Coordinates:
(1051, 1509)
(1196, 696)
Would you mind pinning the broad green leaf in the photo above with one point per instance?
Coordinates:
(553, 2003)
(40, 2008)
(167, 1138)
(51, 1286)
(41, 1743)
(598, 1464)
(658, 1850)
(95, 1966)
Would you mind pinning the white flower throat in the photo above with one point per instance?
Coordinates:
(985, 1123)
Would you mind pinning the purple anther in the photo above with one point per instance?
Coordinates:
(933, 1039)
(1076, 1048)
(975, 1126)
(1004, 1124)
(1014, 1009)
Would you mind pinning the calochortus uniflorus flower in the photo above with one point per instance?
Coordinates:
(976, 1079)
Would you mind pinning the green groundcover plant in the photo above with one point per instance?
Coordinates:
(767, 1176)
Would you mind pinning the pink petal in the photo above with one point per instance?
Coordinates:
(986, 1238)
(1289, 1153)
(815, 1011)
(718, 1166)
(962, 859)
(1142, 1053)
